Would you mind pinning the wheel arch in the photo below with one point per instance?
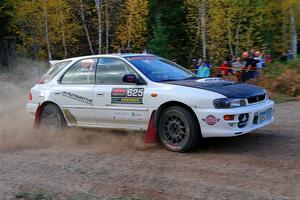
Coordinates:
(39, 110)
(168, 104)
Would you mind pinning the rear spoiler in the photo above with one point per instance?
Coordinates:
(53, 62)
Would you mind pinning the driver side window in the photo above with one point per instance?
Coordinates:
(111, 71)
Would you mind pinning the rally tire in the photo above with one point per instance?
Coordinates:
(178, 129)
(52, 118)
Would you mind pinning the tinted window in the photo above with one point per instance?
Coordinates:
(112, 70)
(54, 69)
(82, 72)
(159, 69)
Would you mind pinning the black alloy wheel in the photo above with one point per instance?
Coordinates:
(178, 129)
(52, 117)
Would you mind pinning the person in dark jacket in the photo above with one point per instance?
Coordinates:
(249, 70)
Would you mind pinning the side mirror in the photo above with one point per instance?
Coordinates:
(132, 78)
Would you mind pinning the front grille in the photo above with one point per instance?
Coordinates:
(256, 99)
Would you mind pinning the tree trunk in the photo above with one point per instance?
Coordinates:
(98, 8)
(106, 26)
(293, 34)
(237, 36)
(6, 52)
(197, 35)
(202, 16)
(47, 30)
(230, 47)
(130, 30)
(85, 27)
(63, 34)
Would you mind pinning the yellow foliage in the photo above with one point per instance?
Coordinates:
(133, 32)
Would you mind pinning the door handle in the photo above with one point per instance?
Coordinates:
(56, 92)
(100, 94)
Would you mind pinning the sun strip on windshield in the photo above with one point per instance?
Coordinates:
(142, 58)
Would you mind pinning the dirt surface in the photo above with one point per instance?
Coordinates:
(85, 164)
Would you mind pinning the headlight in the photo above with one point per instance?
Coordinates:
(229, 103)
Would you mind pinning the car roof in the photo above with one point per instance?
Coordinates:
(105, 55)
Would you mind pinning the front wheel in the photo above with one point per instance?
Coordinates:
(178, 129)
(52, 117)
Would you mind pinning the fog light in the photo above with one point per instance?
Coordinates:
(228, 117)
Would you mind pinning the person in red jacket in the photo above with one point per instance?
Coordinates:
(222, 70)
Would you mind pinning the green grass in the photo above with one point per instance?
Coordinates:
(34, 195)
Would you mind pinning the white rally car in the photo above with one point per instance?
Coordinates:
(147, 92)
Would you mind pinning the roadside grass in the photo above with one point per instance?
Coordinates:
(282, 80)
(34, 195)
(281, 98)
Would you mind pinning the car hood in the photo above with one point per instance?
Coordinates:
(226, 88)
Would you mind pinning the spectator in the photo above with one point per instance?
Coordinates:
(250, 68)
(203, 70)
(236, 69)
(231, 60)
(223, 69)
(194, 66)
(283, 57)
(268, 58)
(259, 64)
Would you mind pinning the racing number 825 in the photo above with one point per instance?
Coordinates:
(135, 92)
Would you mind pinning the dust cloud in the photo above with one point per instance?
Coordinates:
(16, 126)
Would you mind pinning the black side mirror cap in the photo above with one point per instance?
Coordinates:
(132, 78)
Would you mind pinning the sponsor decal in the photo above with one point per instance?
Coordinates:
(211, 120)
(212, 80)
(142, 58)
(127, 95)
(128, 115)
(243, 119)
(77, 97)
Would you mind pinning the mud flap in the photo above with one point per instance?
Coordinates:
(37, 118)
(151, 133)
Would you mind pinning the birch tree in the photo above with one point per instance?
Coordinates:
(85, 27)
(47, 29)
(294, 38)
(63, 35)
(133, 31)
(98, 9)
(202, 15)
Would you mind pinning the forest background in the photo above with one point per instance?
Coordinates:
(184, 30)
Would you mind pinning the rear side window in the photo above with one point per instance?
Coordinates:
(54, 69)
(82, 72)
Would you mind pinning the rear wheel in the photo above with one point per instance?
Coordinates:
(178, 129)
(52, 117)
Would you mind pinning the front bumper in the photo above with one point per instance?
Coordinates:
(259, 115)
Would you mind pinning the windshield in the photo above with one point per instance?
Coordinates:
(54, 69)
(160, 70)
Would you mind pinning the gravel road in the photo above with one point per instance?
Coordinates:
(85, 164)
